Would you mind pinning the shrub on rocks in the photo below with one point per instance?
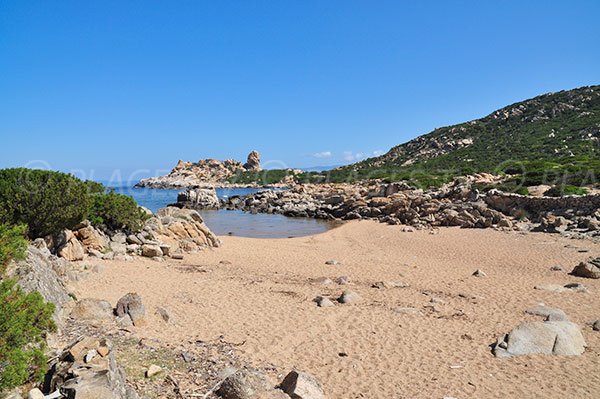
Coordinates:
(12, 244)
(116, 212)
(24, 320)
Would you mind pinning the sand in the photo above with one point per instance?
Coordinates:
(262, 295)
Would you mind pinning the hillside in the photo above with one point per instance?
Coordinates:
(549, 137)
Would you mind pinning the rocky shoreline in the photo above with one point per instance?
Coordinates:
(455, 204)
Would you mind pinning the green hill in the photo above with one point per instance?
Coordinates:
(553, 138)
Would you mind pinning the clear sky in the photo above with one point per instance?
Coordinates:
(98, 86)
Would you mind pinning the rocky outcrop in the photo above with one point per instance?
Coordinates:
(253, 161)
(40, 271)
(182, 230)
(204, 173)
(455, 204)
(199, 198)
(69, 247)
(88, 369)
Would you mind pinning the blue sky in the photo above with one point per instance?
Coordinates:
(133, 86)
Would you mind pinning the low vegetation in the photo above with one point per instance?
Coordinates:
(48, 202)
(24, 319)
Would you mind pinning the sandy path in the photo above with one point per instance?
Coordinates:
(264, 298)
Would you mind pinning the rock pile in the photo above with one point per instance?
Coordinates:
(169, 232)
(87, 369)
(199, 198)
(204, 173)
(455, 204)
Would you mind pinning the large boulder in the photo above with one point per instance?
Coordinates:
(69, 246)
(244, 384)
(91, 238)
(542, 337)
(253, 161)
(92, 310)
(199, 198)
(590, 269)
(150, 250)
(40, 272)
(302, 385)
(183, 230)
(131, 305)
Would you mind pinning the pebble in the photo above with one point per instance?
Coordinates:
(153, 370)
(332, 262)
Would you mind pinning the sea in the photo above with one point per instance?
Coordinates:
(236, 222)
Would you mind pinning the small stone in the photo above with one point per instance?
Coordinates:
(153, 370)
(301, 385)
(164, 314)
(177, 256)
(478, 273)
(349, 297)
(389, 284)
(557, 268)
(90, 355)
(332, 262)
(151, 251)
(35, 394)
(437, 300)
(131, 304)
(103, 351)
(343, 280)
(323, 302)
(244, 384)
(596, 325)
(186, 356)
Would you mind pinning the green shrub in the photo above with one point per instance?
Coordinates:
(12, 244)
(559, 191)
(24, 320)
(116, 212)
(47, 202)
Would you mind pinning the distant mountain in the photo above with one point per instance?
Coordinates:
(555, 133)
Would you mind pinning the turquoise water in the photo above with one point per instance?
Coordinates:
(237, 223)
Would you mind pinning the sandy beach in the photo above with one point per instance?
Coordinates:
(259, 293)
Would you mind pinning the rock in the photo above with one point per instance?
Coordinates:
(253, 161)
(164, 314)
(557, 268)
(92, 310)
(177, 256)
(587, 269)
(544, 337)
(14, 394)
(166, 249)
(332, 262)
(35, 394)
(199, 198)
(389, 284)
(323, 302)
(90, 355)
(153, 370)
(102, 379)
(91, 238)
(478, 273)
(244, 384)
(150, 251)
(548, 313)
(40, 272)
(596, 325)
(349, 297)
(133, 239)
(131, 305)
(342, 280)
(70, 248)
(302, 385)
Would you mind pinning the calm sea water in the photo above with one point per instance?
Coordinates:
(237, 223)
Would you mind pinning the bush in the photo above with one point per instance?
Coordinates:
(116, 212)
(559, 191)
(47, 202)
(24, 320)
(12, 244)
